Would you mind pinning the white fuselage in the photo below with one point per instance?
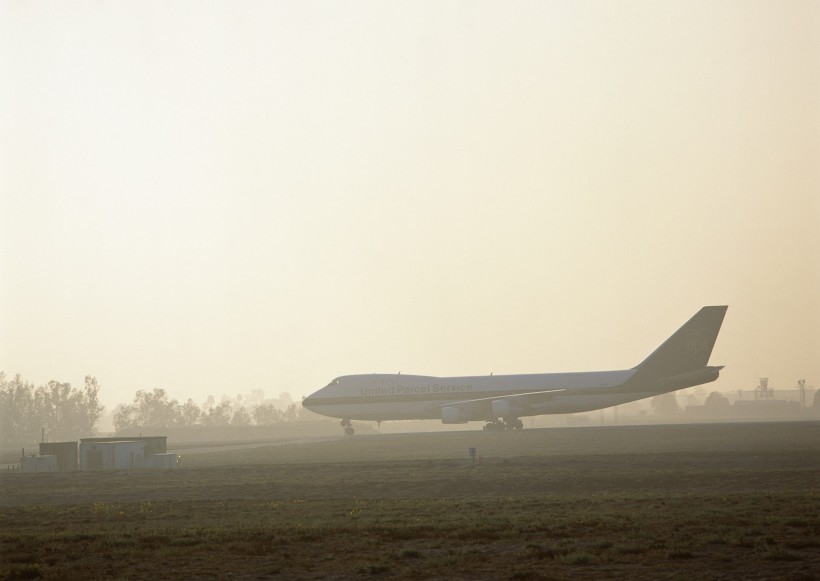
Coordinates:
(402, 397)
(680, 362)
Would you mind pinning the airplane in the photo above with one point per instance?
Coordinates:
(502, 400)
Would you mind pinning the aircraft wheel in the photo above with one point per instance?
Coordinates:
(349, 431)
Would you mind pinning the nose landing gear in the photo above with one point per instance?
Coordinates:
(349, 431)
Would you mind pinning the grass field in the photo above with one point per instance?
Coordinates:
(737, 501)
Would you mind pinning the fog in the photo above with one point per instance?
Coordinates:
(213, 198)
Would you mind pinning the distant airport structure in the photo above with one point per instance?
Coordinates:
(115, 453)
(502, 400)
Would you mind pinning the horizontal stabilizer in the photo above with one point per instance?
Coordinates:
(690, 378)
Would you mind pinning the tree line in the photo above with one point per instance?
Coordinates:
(63, 411)
(66, 413)
(156, 409)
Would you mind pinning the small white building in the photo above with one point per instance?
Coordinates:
(45, 463)
(117, 455)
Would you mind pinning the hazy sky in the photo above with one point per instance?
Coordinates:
(214, 197)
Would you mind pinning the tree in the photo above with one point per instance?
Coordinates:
(149, 408)
(154, 408)
(92, 409)
(125, 417)
(292, 413)
(18, 411)
(16, 407)
(61, 411)
(219, 415)
(188, 413)
(266, 414)
(241, 418)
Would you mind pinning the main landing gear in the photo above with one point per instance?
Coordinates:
(504, 424)
(349, 431)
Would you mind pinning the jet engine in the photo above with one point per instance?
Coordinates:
(453, 415)
(502, 408)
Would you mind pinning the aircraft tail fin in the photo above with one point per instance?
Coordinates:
(688, 349)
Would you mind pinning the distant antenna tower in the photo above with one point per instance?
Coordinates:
(801, 385)
(762, 390)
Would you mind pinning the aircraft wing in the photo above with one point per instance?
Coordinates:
(469, 407)
(510, 397)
